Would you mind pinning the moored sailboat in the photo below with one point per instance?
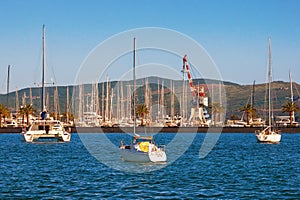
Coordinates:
(269, 134)
(46, 128)
(142, 148)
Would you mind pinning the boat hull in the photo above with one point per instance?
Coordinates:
(131, 155)
(158, 156)
(154, 154)
(268, 135)
(271, 138)
(31, 136)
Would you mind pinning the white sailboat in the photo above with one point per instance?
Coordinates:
(269, 134)
(143, 148)
(46, 128)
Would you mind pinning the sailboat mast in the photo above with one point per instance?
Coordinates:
(107, 96)
(17, 100)
(67, 103)
(269, 79)
(134, 85)
(253, 95)
(43, 70)
(292, 94)
(7, 94)
(291, 87)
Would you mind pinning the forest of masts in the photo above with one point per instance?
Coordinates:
(111, 102)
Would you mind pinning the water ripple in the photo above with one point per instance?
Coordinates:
(238, 167)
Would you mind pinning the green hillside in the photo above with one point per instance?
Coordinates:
(237, 96)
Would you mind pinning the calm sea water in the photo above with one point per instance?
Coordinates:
(237, 167)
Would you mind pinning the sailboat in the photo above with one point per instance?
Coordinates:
(46, 128)
(143, 148)
(269, 134)
(286, 120)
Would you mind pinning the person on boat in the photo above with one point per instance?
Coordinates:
(122, 145)
(44, 114)
(137, 146)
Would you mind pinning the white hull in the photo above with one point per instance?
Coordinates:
(31, 136)
(272, 138)
(132, 155)
(268, 136)
(46, 130)
(153, 155)
(158, 156)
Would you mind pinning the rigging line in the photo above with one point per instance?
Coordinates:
(296, 90)
(194, 73)
(53, 78)
(37, 68)
(243, 115)
(47, 66)
(138, 60)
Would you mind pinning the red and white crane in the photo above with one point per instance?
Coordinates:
(198, 94)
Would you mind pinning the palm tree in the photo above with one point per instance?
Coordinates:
(290, 107)
(249, 110)
(4, 112)
(21, 112)
(142, 110)
(26, 111)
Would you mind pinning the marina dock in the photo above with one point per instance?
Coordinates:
(161, 129)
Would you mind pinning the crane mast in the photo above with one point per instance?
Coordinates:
(199, 98)
(197, 93)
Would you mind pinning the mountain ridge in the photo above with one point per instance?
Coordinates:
(237, 95)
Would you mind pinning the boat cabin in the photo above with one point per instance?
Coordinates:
(46, 125)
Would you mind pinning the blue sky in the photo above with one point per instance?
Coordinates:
(233, 32)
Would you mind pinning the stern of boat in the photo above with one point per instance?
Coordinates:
(28, 137)
(65, 137)
(268, 138)
(157, 154)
